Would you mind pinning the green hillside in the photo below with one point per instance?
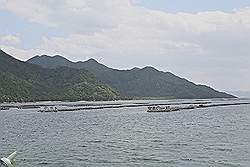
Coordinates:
(22, 81)
(145, 82)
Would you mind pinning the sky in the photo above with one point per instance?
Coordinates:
(204, 41)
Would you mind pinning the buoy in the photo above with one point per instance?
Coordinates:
(9, 161)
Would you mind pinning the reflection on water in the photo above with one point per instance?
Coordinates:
(128, 137)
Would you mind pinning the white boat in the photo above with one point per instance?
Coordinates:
(9, 161)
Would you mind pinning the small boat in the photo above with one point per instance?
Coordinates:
(162, 109)
(48, 109)
(9, 161)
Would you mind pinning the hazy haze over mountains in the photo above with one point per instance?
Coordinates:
(240, 94)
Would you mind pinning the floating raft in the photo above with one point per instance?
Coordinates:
(171, 109)
(4, 108)
(151, 107)
(118, 106)
(48, 109)
(163, 109)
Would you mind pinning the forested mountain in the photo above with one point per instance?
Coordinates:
(22, 81)
(145, 82)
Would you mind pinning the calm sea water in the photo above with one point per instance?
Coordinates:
(216, 137)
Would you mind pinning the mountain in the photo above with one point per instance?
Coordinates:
(22, 81)
(145, 82)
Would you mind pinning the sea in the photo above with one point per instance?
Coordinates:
(127, 136)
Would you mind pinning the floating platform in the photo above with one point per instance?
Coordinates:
(48, 109)
(171, 109)
(162, 109)
(4, 108)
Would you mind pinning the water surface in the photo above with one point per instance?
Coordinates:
(213, 137)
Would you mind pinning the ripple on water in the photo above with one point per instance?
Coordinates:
(214, 137)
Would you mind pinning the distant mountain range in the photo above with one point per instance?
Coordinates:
(136, 83)
(22, 81)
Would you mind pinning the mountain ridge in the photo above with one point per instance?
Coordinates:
(138, 82)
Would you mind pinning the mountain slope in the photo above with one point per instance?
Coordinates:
(145, 82)
(21, 81)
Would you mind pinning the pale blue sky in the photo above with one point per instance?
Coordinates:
(30, 33)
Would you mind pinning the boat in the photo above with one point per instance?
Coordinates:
(9, 161)
(48, 109)
(162, 109)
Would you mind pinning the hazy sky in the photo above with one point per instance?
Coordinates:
(205, 41)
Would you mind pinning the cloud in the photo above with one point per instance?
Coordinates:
(10, 40)
(73, 15)
(201, 46)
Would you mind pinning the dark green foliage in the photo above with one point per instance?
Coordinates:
(145, 82)
(20, 81)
